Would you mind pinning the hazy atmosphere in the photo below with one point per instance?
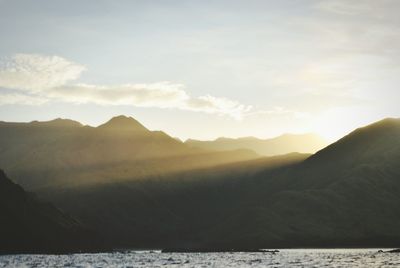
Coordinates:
(191, 133)
(203, 69)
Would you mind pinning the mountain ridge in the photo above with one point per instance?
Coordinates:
(345, 195)
(122, 122)
(120, 149)
(282, 144)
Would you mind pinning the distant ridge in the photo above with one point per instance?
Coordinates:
(39, 154)
(58, 122)
(286, 143)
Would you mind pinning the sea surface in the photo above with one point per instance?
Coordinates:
(284, 258)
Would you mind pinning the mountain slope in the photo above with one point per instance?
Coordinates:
(61, 152)
(305, 143)
(346, 195)
(165, 209)
(29, 226)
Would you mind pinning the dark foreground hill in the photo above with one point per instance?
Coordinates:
(28, 225)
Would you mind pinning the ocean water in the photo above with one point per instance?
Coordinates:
(284, 258)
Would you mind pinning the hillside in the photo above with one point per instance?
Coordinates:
(161, 210)
(346, 195)
(64, 152)
(284, 144)
(31, 226)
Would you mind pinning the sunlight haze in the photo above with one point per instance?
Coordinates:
(203, 69)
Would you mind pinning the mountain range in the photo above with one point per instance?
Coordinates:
(284, 144)
(143, 189)
(64, 152)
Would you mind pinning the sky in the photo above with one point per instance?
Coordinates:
(203, 69)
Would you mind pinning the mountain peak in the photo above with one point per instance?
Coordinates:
(378, 138)
(123, 122)
(382, 126)
(58, 122)
(389, 121)
(223, 139)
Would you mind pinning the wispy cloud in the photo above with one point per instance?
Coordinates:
(385, 10)
(37, 79)
(162, 95)
(16, 98)
(348, 7)
(210, 104)
(36, 73)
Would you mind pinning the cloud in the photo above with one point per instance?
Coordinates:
(210, 104)
(16, 98)
(346, 7)
(44, 78)
(355, 58)
(383, 9)
(162, 95)
(36, 73)
(361, 27)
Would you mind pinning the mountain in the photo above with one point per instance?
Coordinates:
(346, 195)
(124, 123)
(167, 209)
(64, 152)
(29, 225)
(303, 143)
(58, 122)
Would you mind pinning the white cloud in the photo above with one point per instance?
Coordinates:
(222, 106)
(162, 95)
(46, 78)
(36, 73)
(16, 98)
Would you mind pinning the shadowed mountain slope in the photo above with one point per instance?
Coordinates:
(346, 195)
(31, 226)
(166, 209)
(304, 143)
